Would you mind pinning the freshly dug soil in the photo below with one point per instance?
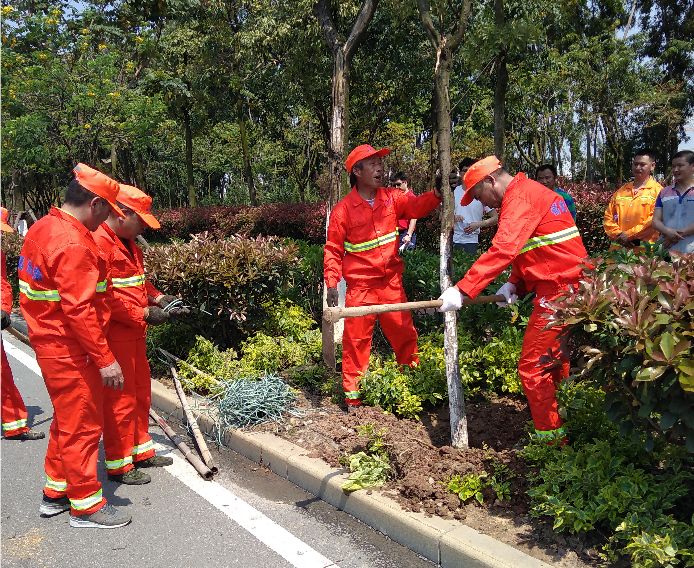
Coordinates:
(423, 462)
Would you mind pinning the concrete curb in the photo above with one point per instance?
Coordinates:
(448, 543)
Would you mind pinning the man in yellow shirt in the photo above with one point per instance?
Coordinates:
(629, 215)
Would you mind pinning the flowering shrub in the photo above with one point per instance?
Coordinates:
(305, 221)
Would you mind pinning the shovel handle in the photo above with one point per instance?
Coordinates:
(334, 314)
(18, 334)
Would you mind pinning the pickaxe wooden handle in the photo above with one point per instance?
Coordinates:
(333, 314)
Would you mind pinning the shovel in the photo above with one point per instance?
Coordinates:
(331, 315)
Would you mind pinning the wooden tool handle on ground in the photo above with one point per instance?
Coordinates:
(334, 314)
(194, 460)
(193, 423)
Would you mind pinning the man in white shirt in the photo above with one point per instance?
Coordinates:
(469, 219)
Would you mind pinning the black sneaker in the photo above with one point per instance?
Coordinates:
(108, 517)
(155, 461)
(51, 506)
(28, 435)
(132, 477)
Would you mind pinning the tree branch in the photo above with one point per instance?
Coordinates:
(459, 34)
(428, 23)
(321, 9)
(368, 8)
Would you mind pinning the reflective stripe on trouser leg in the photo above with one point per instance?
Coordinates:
(539, 379)
(119, 410)
(55, 487)
(13, 412)
(356, 348)
(76, 391)
(143, 451)
(144, 447)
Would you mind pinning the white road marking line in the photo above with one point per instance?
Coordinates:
(25, 359)
(289, 547)
(276, 538)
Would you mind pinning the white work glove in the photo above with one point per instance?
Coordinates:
(508, 291)
(452, 299)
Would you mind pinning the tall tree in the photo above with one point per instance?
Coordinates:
(343, 51)
(445, 45)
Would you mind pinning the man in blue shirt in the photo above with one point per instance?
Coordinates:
(546, 174)
(674, 207)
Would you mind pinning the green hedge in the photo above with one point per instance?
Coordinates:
(230, 279)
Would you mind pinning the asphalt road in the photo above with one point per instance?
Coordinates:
(175, 524)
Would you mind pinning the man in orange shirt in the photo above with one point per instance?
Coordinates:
(135, 304)
(63, 283)
(362, 246)
(629, 215)
(538, 238)
(14, 412)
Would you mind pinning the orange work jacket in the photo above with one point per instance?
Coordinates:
(537, 237)
(130, 288)
(6, 287)
(631, 212)
(362, 242)
(63, 289)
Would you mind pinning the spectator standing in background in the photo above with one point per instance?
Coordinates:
(629, 215)
(546, 174)
(674, 207)
(469, 219)
(406, 227)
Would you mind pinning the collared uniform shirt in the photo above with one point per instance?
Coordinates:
(130, 287)
(678, 213)
(537, 237)
(362, 241)
(631, 212)
(63, 290)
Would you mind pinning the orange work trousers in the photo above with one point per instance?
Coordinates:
(356, 339)
(76, 390)
(14, 413)
(126, 412)
(543, 364)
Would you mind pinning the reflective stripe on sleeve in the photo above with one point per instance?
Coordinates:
(38, 295)
(551, 239)
(372, 244)
(101, 286)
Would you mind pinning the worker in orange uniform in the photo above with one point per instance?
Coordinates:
(14, 412)
(362, 246)
(63, 284)
(135, 304)
(538, 238)
(629, 214)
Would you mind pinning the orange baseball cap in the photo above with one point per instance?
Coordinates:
(362, 152)
(138, 201)
(5, 217)
(476, 173)
(99, 184)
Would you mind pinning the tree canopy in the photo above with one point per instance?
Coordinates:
(207, 101)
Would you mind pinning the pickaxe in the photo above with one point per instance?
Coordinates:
(331, 315)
